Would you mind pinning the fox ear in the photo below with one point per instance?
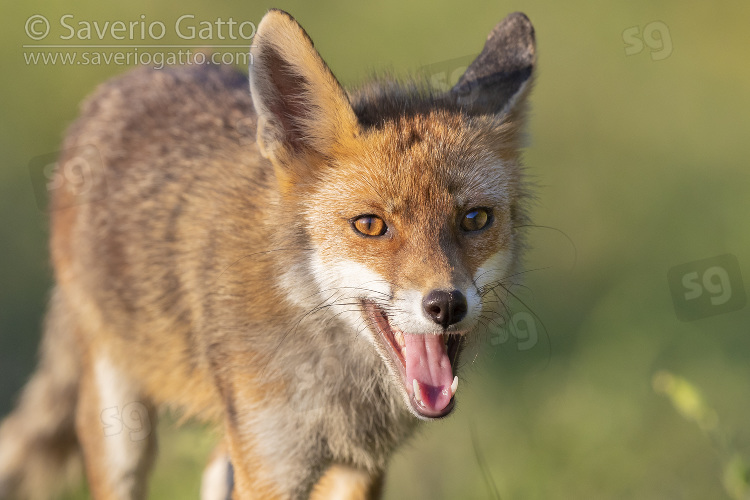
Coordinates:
(497, 80)
(301, 107)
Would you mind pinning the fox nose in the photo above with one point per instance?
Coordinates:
(445, 308)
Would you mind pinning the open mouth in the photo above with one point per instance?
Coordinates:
(425, 362)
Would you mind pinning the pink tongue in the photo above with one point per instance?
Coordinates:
(427, 361)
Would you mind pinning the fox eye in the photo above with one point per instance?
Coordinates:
(476, 219)
(369, 225)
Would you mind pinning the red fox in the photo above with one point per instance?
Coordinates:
(298, 264)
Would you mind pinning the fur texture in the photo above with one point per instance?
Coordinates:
(213, 266)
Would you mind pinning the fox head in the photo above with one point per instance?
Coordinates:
(408, 203)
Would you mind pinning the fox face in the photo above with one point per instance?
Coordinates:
(410, 202)
(415, 252)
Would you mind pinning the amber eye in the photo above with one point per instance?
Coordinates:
(475, 219)
(369, 225)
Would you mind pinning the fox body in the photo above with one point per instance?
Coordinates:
(300, 265)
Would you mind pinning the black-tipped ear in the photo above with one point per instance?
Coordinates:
(300, 105)
(497, 78)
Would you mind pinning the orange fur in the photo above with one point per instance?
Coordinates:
(214, 266)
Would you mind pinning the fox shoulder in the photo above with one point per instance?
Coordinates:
(168, 102)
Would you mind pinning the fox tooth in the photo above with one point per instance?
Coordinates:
(417, 394)
(454, 385)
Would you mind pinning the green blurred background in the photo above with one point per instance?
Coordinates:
(640, 159)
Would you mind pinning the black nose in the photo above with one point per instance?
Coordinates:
(445, 308)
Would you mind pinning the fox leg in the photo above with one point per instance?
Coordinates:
(116, 429)
(38, 444)
(347, 483)
(253, 478)
(339, 482)
(256, 477)
(217, 481)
